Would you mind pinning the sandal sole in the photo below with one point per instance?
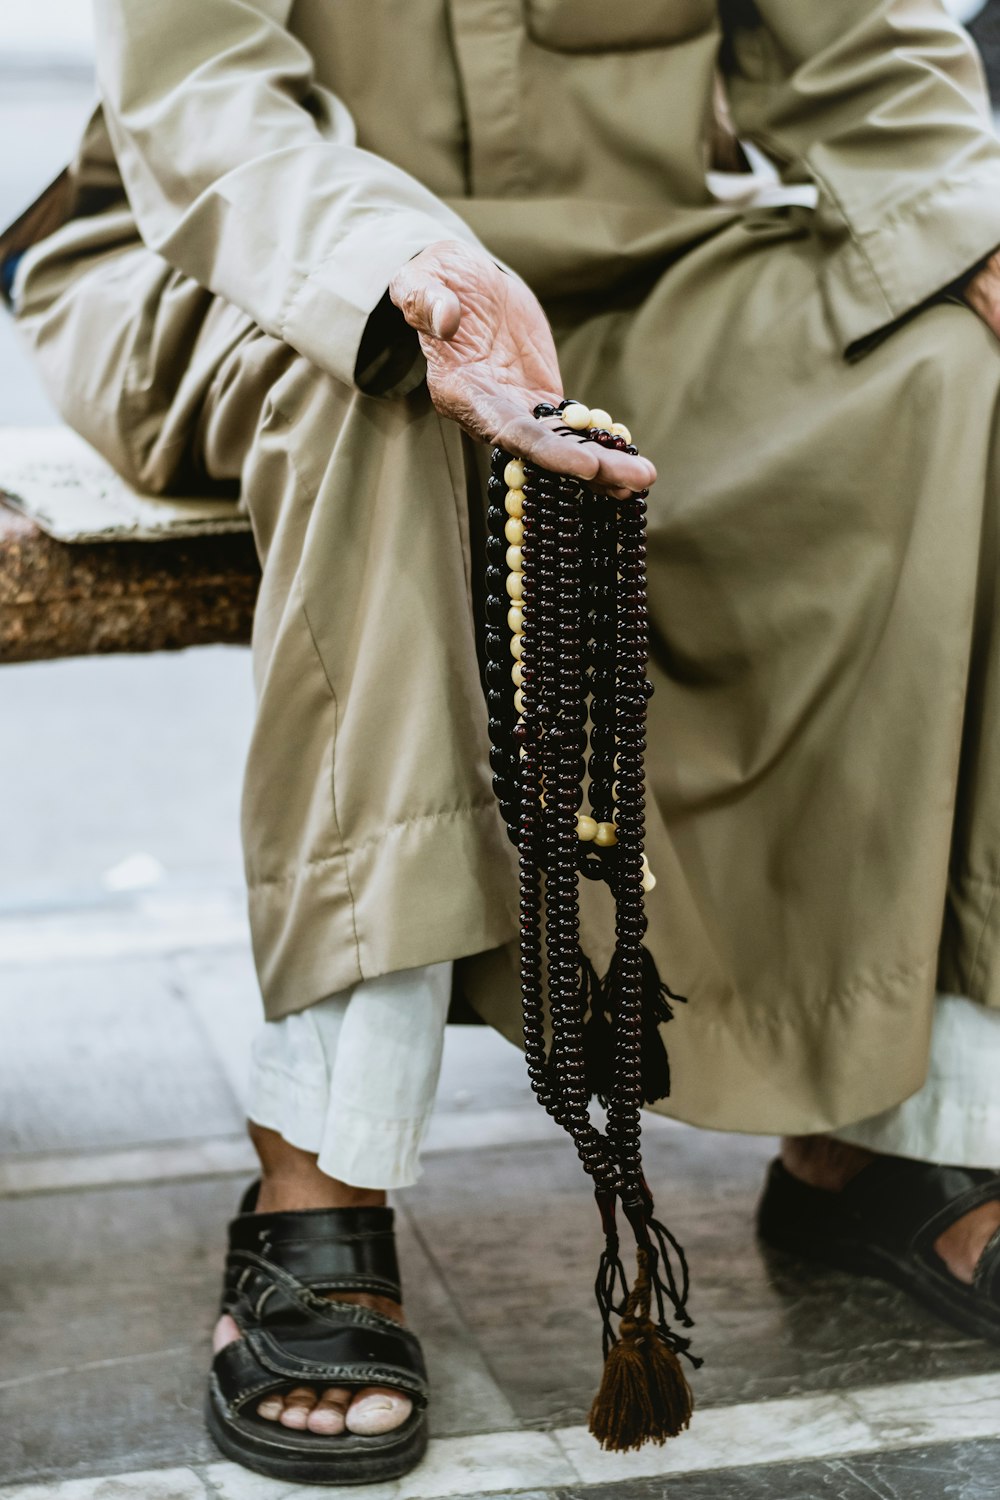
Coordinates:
(868, 1260)
(361, 1460)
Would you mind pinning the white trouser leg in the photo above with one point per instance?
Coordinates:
(353, 1078)
(955, 1117)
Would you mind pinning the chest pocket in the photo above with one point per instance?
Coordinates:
(597, 26)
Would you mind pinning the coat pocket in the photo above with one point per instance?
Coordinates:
(596, 26)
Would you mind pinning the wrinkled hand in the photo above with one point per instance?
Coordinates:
(982, 293)
(491, 358)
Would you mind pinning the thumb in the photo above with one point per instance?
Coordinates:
(426, 303)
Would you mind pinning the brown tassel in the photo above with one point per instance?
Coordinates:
(644, 1395)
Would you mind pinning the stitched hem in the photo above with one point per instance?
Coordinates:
(945, 1131)
(260, 882)
(356, 1146)
(427, 891)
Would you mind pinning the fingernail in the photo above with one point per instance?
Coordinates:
(437, 312)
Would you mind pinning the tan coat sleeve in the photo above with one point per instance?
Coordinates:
(246, 176)
(883, 105)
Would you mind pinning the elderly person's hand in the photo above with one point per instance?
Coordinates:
(982, 293)
(491, 359)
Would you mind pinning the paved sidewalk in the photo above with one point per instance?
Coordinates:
(121, 1156)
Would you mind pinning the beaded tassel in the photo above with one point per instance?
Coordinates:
(567, 693)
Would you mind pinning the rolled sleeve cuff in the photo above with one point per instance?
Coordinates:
(880, 277)
(340, 316)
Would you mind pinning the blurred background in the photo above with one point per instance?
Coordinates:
(122, 773)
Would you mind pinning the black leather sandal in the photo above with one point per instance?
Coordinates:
(278, 1266)
(884, 1223)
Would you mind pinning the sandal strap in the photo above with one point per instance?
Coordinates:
(986, 1278)
(277, 1269)
(240, 1377)
(909, 1203)
(339, 1249)
(348, 1346)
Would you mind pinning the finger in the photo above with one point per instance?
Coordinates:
(605, 468)
(426, 303)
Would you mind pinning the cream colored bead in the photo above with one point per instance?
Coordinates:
(515, 583)
(586, 828)
(517, 646)
(614, 791)
(515, 619)
(519, 701)
(514, 559)
(514, 531)
(577, 416)
(514, 503)
(606, 835)
(522, 753)
(600, 418)
(618, 429)
(648, 878)
(517, 674)
(513, 475)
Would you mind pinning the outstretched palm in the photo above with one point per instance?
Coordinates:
(491, 359)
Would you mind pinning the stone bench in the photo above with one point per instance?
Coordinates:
(77, 598)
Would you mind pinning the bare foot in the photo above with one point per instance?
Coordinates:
(824, 1162)
(292, 1180)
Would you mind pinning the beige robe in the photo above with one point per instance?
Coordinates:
(824, 763)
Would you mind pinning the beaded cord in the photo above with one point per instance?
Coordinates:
(566, 696)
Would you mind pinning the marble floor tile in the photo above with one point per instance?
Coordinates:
(904, 1415)
(488, 1464)
(515, 1234)
(526, 1464)
(965, 1471)
(956, 1409)
(467, 1398)
(230, 1482)
(751, 1433)
(107, 1299)
(103, 1055)
(106, 1303)
(69, 1171)
(154, 1484)
(947, 1471)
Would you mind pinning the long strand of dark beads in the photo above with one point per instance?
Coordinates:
(555, 670)
(567, 738)
(530, 848)
(577, 612)
(629, 710)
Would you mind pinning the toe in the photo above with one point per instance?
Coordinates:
(327, 1416)
(377, 1409)
(297, 1406)
(271, 1408)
